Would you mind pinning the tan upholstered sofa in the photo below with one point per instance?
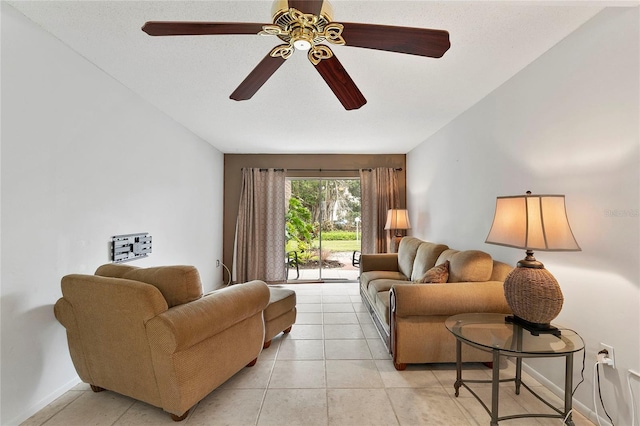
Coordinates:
(150, 334)
(410, 316)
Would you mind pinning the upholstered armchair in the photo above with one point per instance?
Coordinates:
(150, 334)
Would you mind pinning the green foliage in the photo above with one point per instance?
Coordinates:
(338, 236)
(328, 204)
(326, 197)
(298, 228)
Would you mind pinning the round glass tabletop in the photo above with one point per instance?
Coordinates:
(491, 331)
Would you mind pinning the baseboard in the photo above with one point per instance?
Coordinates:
(33, 409)
(559, 392)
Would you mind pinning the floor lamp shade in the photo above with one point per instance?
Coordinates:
(532, 222)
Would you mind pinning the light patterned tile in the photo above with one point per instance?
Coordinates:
(335, 289)
(347, 349)
(306, 332)
(143, 414)
(352, 374)
(360, 407)
(340, 318)
(298, 374)
(308, 298)
(415, 376)
(256, 377)
(336, 299)
(102, 408)
(364, 317)
(301, 349)
(294, 407)
(50, 410)
(425, 406)
(370, 331)
(228, 407)
(337, 307)
(343, 331)
(309, 318)
(359, 307)
(308, 307)
(378, 349)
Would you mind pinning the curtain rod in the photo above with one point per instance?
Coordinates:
(398, 169)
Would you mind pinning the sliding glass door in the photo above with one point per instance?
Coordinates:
(322, 228)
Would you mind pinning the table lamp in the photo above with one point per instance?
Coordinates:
(532, 222)
(397, 220)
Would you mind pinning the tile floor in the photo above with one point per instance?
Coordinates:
(332, 369)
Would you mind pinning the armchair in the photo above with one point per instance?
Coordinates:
(151, 335)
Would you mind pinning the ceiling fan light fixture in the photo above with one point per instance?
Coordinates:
(302, 44)
(302, 38)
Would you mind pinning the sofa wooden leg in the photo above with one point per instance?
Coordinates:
(177, 418)
(266, 344)
(287, 330)
(399, 365)
(252, 363)
(96, 388)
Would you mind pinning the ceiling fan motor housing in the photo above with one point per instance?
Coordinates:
(305, 30)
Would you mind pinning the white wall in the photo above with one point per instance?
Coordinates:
(83, 159)
(566, 124)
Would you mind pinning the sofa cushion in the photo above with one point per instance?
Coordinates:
(178, 284)
(500, 271)
(378, 286)
(382, 301)
(407, 254)
(468, 265)
(437, 274)
(426, 258)
(367, 277)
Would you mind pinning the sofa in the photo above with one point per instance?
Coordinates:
(150, 333)
(411, 293)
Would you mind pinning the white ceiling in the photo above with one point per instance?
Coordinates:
(409, 98)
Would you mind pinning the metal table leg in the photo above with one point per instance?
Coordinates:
(568, 388)
(495, 386)
(458, 382)
(518, 374)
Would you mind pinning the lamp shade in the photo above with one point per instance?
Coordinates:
(532, 222)
(397, 219)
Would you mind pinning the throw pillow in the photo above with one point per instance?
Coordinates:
(437, 274)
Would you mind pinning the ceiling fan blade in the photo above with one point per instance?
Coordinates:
(307, 6)
(257, 77)
(341, 83)
(414, 41)
(167, 28)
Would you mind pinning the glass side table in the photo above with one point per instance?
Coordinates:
(491, 333)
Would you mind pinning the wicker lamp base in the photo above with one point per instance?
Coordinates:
(533, 294)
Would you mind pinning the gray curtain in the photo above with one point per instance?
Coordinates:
(379, 193)
(260, 240)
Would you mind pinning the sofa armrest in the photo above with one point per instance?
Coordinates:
(186, 325)
(379, 262)
(448, 298)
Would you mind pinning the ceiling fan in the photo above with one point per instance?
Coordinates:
(304, 25)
